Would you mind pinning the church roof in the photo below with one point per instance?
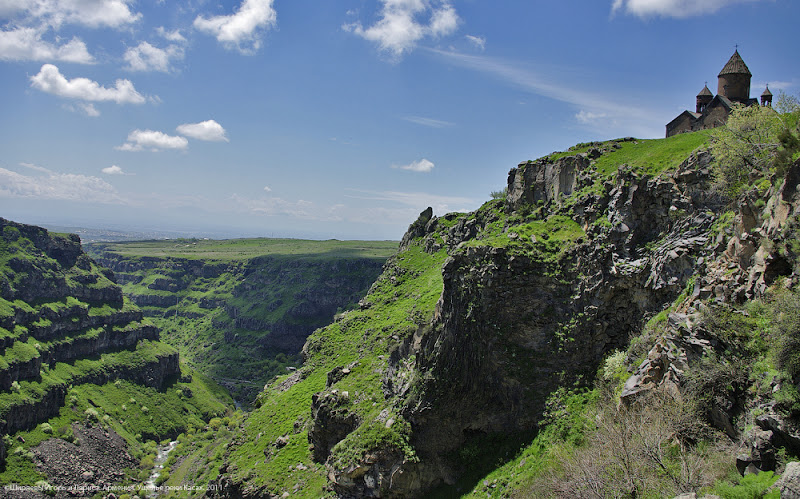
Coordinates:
(705, 92)
(766, 92)
(735, 65)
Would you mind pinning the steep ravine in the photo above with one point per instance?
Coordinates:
(245, 319)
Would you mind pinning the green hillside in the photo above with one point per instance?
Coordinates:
(80, 362)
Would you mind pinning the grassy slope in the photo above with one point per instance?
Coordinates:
(399, 306)
(403, 300)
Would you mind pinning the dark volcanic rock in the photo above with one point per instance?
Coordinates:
(98, 462)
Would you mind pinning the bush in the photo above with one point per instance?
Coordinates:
(752, 486)
(785, 333)
(92, 415)
(215, 423)
(747, 144)
(65, 433)
(501, 194)
(659, 446)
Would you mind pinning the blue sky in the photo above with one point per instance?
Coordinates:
(339, 119)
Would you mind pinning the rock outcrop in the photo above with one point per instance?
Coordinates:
(58, 307)
(531, 293)
(516, 319)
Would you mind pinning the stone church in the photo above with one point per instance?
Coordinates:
(733, 86)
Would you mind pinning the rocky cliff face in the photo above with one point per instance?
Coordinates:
(481, 316)
(57, 307)
(515, 321)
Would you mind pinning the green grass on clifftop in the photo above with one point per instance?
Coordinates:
(242, 249)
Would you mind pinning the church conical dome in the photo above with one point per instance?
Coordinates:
(735, 65)
(733, 81)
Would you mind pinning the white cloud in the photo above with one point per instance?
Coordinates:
(35, 167)
(422, 166)
(775, 85)
(86, 108)
(10, 7)
(267, 188)
(91, 13)
(242, 29)
(113, 170)
(588, 117)
(172, 36)
(444, 21)
(57, 186)
(208, 130)
(139, 140)
(429, 122)
(478, 42)
(26, 44)
(672, 8)
(146, 57)
(50, 80)
(399, 28)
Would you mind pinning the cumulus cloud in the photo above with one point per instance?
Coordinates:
(422, 166)
(208, 130)
(139, 140)
(91, 13)
(267, 188)
(50, 80)
(400, 27)
(57, 186)
(173, 36)
(113, 170)
(146, 57)
(242, 29)
(672, 8)
(478, 42)
(26, 44)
